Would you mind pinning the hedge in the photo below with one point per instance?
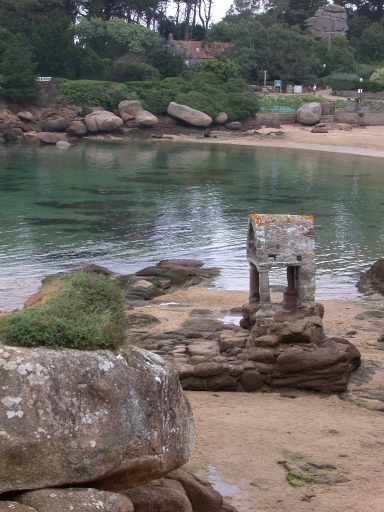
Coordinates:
(92, 92)
(344, 81)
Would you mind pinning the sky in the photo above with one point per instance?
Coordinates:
(220, 7)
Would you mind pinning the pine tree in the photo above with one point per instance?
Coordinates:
(18, 81)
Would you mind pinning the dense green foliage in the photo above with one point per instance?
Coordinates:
(126, 41)
(378, 75)
(105, 94)
(344, 81)
(204, 91)
(284, 52)
(88, 314)
(17, 79)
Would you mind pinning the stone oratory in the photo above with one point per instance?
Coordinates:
(277, 344)
(276, 241)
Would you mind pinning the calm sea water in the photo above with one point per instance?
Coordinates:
(126, 205)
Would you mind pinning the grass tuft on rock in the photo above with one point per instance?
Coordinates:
(87, 315)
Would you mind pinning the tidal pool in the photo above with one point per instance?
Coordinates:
(126, 205)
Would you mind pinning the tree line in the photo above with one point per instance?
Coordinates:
(127, 40)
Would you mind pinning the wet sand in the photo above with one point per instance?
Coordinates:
(366, 141)
(241, 437)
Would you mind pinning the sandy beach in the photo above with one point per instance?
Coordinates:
(366, 140)
(241, 437)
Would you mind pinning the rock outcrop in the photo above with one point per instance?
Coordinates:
(145, 119)
(309, 113)
(55, 125)
(372, 281)
(234, 126)
(26, 116)
(77, 128)
(212, 356)
(118, 421)
(179, 490)
(128, 109)
(75, 500)
(328, 22)
(102, 121)
(51, 137)
(189, 115)
(158, 280)
(221, 118)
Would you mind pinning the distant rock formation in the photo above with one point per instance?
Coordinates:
(328, 22)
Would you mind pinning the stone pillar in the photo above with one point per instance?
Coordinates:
(290, 295)
(265, 316)
(265, 294)
(254, 283)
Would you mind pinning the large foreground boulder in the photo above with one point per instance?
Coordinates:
(102, 121)
(75, 500)
(118, 421)
(309, 113)
(372, 281)
(189, 115)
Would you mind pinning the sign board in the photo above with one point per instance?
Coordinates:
(360, 91)
(278, 83)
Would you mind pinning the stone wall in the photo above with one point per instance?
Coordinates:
(272, 118)
(362, 119)
(365, 95)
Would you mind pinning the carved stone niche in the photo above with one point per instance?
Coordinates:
(276, 241)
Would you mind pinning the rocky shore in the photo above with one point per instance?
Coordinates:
(247, 444)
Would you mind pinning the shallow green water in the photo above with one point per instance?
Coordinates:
(126, 205)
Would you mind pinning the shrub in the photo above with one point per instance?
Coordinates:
(204, 92)
(106, 94)
(209, 104)
(168, 65)
(223, 69)
(240, 106)
(88, 314)
(85, 111)
(377, 75)
(120, 71)
(156, 101)
(344, 81)
(369, 86)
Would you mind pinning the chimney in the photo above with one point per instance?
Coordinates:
(170, 37)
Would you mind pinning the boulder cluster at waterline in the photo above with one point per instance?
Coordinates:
(50, 126)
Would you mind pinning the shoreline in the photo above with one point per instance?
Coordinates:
(362, 141)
